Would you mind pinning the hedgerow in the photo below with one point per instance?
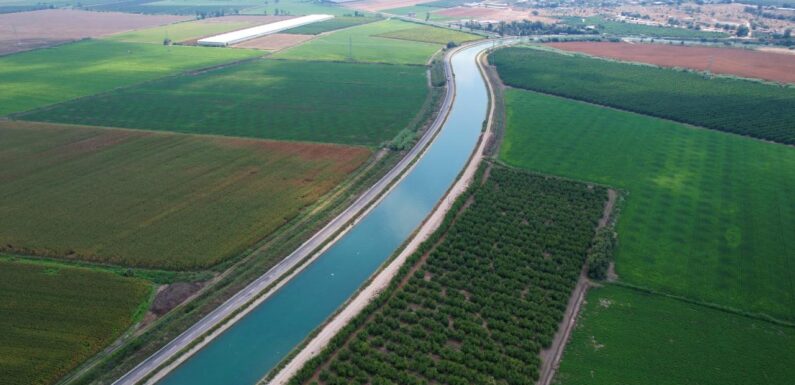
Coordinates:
(488, 297)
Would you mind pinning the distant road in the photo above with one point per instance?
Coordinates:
(241, 298)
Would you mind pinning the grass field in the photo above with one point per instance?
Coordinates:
(708, 215)
(331, 25)
(296, 8)
(362, 44)
(347, 103)
(153, 200)
(431, 35)
(419, 11)
(38, 78)
(55, 318)
(618, 28)
(745, 107)
(630, 337)
(177, 32)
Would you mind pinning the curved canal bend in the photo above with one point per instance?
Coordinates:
(250, 348)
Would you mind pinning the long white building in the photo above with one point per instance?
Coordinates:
(234, 37)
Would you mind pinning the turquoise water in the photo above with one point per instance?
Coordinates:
(256, 343)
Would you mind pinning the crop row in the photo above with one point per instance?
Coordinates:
(487, 299)
(739, 106)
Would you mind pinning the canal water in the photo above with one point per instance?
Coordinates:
(259, 341)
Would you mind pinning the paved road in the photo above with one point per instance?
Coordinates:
(251, 291)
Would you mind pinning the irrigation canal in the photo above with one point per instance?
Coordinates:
(259, 341)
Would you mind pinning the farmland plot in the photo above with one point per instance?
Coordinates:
(27, 30)
(708, 215)
(739, 106)
(734, 61)
(477, 302)
(331, 25)
(629, 337)
(431, 35)
(154, 200)
(38, 78)
(363, 44)
(345, 103)
(54, 318)
(193, 30)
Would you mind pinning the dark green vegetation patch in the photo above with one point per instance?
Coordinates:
(363, 104)
(480, 306)
(54, 318)
(612, 27)
(45, 76)
(331, 25)
(630, 337)
(740, 106)
(150, 199)
(707, 216)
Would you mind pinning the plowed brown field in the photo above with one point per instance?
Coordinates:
(730, 61)
(28, 30)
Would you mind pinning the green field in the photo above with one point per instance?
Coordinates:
(612, 27)
(419, 11)
(348, 103)
(630, 337)
(476, 303)
(153, 200)
(331, 25)
(707, 216)
(431, 35)
(52, 319)
(740, 106)
(361, 44)
(41, 77)
(296, 8)
(178, 32)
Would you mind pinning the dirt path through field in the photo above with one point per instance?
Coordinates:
(550, 357)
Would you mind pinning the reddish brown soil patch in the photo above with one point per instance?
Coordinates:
(173, 295)
(27, 30)
(731, 61)
(275, 42)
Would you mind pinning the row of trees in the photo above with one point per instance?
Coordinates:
(486, 300)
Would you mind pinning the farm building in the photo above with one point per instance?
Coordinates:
(234, 37)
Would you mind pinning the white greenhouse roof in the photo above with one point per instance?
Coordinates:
(233, 37)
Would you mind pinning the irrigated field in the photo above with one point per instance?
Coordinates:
(476, 303)
(294, 7)
(27, 30)
(148, 199)
(707, 216)
(346, 103)
(54, 318)
(630, 337)
(193, 30)
(431, 35)
(733, 61)
(331, 25)
(618, 28)
(38, 78)
(362, 44)
(740, 106)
